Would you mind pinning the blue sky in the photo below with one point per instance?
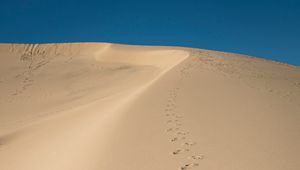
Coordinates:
(261, 28)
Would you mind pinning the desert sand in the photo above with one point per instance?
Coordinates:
(102, 106)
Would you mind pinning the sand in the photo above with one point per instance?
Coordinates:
(102, 106)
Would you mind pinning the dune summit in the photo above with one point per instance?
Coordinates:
(101, 106)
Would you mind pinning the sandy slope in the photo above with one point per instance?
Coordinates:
(94, 106)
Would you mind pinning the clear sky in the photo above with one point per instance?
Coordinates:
(261, 28)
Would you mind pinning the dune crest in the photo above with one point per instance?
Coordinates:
(91, 106)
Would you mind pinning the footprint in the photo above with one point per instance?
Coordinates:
(174, 139)
(197, 157)
(188, 166)
(189, 144)
(179, 151)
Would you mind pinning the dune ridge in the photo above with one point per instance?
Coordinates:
(92, 106)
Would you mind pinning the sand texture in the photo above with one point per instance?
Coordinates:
(102, 106)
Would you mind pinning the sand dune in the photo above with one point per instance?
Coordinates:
(101, 106)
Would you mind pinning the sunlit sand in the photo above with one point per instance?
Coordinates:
(102, 106)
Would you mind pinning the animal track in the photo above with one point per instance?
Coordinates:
(174, 139)
(175, 126)
(197, 157)
(189, 144)
(179, 151)
(188, 166)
